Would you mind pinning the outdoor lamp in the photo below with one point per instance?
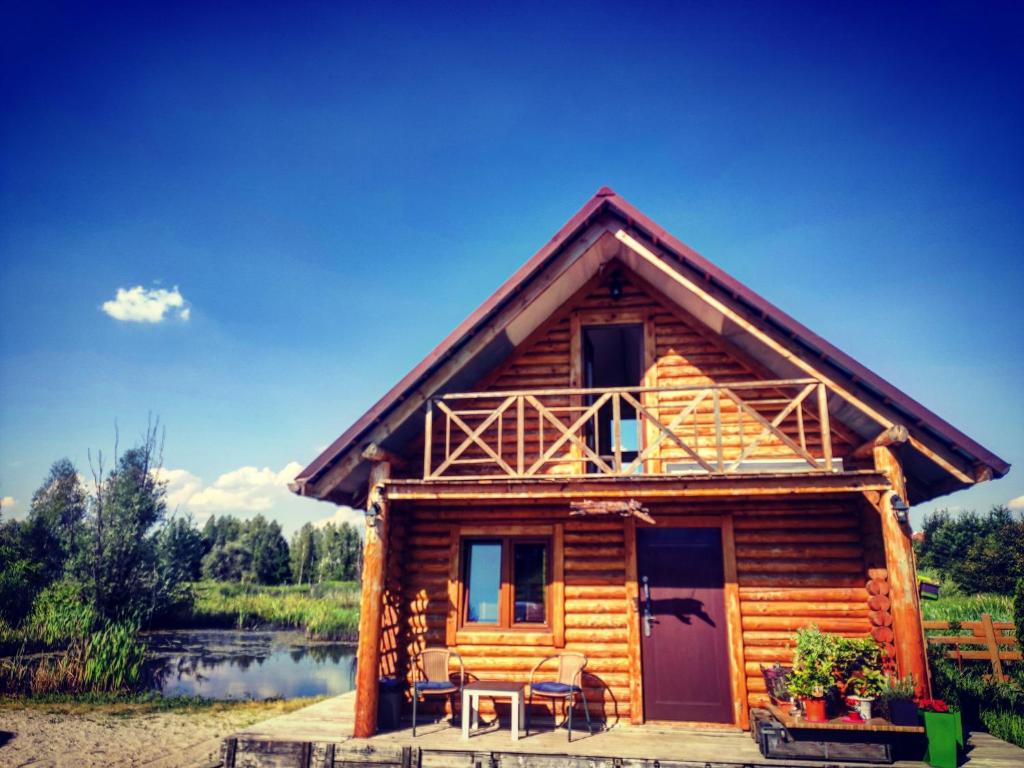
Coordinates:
(900, 509)
(615, 287)
(372, 514)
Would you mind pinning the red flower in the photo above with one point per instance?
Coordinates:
(932, 705)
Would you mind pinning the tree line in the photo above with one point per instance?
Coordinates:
(114, 546)
(978, 553)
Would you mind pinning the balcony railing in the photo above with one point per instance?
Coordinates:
(726, 429)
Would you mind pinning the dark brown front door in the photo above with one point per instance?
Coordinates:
(684, 645)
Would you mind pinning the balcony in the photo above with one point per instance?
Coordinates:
(753, 427)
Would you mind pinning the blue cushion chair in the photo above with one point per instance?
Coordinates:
(431, 677)
(567, 685)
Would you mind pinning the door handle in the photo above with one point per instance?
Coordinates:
(648, 610)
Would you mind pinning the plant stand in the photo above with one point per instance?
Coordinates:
(945, 734)
(782, 736)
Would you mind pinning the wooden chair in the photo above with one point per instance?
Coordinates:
(567, 684)
(432, 678)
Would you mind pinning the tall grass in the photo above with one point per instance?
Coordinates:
(109, 660)
(957, 607)
(325, 611)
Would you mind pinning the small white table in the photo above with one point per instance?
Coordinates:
(471, 694)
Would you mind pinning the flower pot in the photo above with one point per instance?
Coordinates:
(814, 710)
(903, 712)
(863, 706)
(945, 736)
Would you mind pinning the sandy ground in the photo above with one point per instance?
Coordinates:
(84, 738)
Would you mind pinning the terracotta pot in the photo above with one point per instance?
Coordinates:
(814, 710)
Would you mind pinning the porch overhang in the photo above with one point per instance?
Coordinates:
(660, 488)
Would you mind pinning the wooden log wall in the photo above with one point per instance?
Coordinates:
(594, 601)
(797, 563)
(685, 355)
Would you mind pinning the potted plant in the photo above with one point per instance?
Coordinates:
(862, 688)
(944, 731)
(857, 668)
(897, 701)
(776, 682)
(812, 676)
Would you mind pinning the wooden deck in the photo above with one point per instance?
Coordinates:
(318, 737)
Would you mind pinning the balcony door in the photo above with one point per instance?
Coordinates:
(613, 356)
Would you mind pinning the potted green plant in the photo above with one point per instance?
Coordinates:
(897, 701)
(857, 668)
(862, 688)
(812, 676)
(944, 731)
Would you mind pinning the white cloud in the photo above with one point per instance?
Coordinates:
(249, 491)
(1017, 503)
(244, 490)
(8, 504)
(141, 305)
(342, 515)
(182, 485)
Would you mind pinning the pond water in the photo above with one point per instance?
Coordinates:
(227, 664)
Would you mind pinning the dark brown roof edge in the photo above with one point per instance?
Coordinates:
(605, 197)
(887, 391)
(455, 338)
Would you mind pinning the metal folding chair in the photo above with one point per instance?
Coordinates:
(565, 686)
(432, 678)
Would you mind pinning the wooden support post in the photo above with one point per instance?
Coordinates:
(375, 555)
(911, 654)
(636, 680)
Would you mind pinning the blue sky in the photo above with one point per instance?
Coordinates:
(329, 188)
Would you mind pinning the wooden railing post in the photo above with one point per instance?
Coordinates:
(616, 432)
(520, 435)
(719, 449)
(826, 430)
(375, 556)
(989, 632)
(428, 433)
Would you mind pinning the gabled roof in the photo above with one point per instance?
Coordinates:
(951, 459)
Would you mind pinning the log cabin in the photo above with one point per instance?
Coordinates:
(626, 452)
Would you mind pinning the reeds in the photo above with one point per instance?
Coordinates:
(109, 660)
(325, 611)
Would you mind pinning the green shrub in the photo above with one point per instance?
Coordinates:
(997, 707)
(59, 613)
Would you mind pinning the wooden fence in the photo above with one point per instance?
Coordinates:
(988, 640)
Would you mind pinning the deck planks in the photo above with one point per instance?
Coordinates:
(318, 736)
